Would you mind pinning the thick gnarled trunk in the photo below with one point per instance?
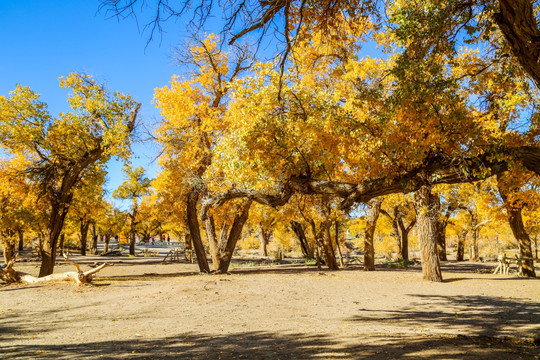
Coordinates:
(324, 241)
(9, 251)
(48, 251)
(524, 241)
(374, 208)
(195, 231)
(222, 249)
(515, 220)
(518, 23)
(426, 215)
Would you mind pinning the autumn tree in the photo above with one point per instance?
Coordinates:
(332, 122)
(262, 219)
(87, 205)
(133, 189)
(16, 210)
(516, 196)
(374, 209)
(112, 222)
(193, 111)
(60, 150)
(403, 218)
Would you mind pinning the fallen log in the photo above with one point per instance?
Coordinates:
(8, 275)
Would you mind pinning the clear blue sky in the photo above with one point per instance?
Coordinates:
(45, 39)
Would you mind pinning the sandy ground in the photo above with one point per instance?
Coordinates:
(141, 309)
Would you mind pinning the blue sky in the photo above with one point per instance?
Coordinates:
(45, 39)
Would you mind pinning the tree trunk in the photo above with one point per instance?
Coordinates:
(427, 233)
(461, 245)
(369, 249)
(518, 229)
(264, 239)
(226, 248)
(9, 251)
(106, 245)
(212, 240)
(536, 247)
(300, 233)
(325, 241)
(515, 219)
(316, 243)
(441, 240)
(517, 21)
(195, 231)
(93, 246)
(48, 254)
(405, 245)
(188, 247)
(21, 239)
(132, 244)
(336, 228)
(396, 234)
(84, 226)
(404, 233)
(62, 240)
(474, 241)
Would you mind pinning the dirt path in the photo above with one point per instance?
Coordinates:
(279, 312)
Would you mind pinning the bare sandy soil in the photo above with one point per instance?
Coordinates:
(141, 309)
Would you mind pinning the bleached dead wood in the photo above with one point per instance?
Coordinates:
(9, 275)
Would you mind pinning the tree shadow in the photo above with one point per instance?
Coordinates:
(272, 345)
(480, 316)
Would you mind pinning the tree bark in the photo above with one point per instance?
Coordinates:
(518, 23)
(461, 245)
(188, 247)
(300, 233)
(515, 219)
(48, 254)
(21, 239)
(525, 250)
(226, 248)
(194, 230)
(404, 231)
(212, 240)
(371, 223)
(325, 241)
(426, 214)
(395, 219)
(398, 238)
(441, 240)
(9, 251)
(264, 239)
(84, 226)
(404, 242)
(336, 228)
(93, 246)
(106, 245)
(474, 239)
(132, 243)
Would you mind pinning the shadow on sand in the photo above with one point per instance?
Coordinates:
(271, 345)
